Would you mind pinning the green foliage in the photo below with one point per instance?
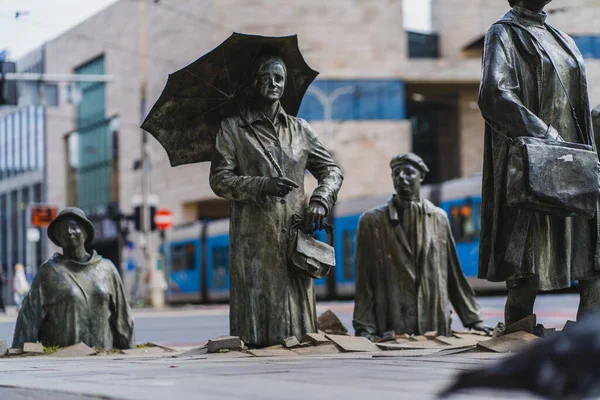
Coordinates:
(51, 349)
(145, 345)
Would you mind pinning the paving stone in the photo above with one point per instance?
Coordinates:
(225, 342)
(353, 343)
(430, 334)
(144, 351)
(526, 324)
(33, 348)
(77, 350)
(509, 342)
(454, 341)
(229, 355)
(274, 347)
(291, 342)
(14, 352)
(329, 323)
(543, 332)
(329, 348)
(3, 348)
(315, 338)
(568, 325)
(419, 338)
(198, 351)
(272, 352)
(431, 344)
(407, 353)
(499, 330)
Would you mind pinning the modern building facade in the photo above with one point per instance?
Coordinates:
(22, 177)
(381, 91)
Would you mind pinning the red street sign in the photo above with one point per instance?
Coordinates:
(42, 215)
(163, 219)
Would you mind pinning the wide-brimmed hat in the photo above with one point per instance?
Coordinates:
(76, 214)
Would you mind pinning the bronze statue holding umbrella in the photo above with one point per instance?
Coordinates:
(247, 91)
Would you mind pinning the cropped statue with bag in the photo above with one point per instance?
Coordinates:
(539, 220)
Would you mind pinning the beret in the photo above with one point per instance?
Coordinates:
(411, 158)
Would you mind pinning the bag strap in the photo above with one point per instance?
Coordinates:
(562, 84)
(262, 145)
(298, 221)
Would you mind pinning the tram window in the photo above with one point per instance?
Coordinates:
(348, 243)
(183, 257)
(462, 223)
(220, 267)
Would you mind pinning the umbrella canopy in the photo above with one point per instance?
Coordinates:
(187, 116)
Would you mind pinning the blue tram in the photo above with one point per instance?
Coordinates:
(198, 254)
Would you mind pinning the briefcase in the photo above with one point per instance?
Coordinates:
(551, 177)
(309, 255)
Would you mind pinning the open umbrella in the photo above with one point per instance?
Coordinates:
(186, 117)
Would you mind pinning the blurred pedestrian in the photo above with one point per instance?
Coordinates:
(20, 285)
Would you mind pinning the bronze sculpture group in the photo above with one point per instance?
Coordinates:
(534, 101)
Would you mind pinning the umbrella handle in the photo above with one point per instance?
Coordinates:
(264, 148)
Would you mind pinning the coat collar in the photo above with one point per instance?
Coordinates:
(253, 117)
(393, 211)
(528, 17)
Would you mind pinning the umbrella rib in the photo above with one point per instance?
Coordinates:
(226, 70)
(208, 83)
(201, 98)
(212, 108)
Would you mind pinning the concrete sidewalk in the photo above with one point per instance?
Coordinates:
(413, 375)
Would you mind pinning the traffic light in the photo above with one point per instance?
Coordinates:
(137, 218)
(8, 89)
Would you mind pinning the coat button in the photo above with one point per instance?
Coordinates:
(283, 230)
(282, 201)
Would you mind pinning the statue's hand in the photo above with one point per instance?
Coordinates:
(279, 187)
(315, 216)
(481, 327)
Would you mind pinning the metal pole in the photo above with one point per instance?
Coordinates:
(145, 233)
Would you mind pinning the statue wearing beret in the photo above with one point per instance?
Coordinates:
(75, 296)
(407, 269)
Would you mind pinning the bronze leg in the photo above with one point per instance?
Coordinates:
(589, 297)
(519, 303)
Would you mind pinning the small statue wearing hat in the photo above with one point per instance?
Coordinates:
(407, 269)
(75, 296)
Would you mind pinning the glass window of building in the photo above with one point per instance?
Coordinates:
(40, 127)
(92, 153)
(9, 146)
(16, 126)
(2, 148)
(24, 134)
(31, 132)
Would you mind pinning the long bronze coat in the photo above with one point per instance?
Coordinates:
(408, 289)
(269, 299)
(521, 95)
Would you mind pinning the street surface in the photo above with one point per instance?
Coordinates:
(415, 375)
(194, 325)
(348, 376)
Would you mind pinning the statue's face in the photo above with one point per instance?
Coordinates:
(270, 82)
(407, 180)
(535, 4)
(70, 233)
